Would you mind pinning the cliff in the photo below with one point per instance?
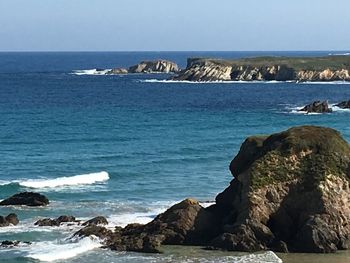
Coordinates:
(157, 66)
(329, 68)
(290, 192)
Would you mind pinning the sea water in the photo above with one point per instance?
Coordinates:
(129, 146)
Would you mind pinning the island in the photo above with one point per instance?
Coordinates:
(268, 68)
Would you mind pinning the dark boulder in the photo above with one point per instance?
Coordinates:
(317, 107)
(344, 104)
(26, 198)
(11, 219)
(12, 244)
(99, 220)
(95, 230)
(55, 222)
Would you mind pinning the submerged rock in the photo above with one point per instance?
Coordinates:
(55, 222)
(11, 219)
(317, 107)
(344, 104)
(26, 198)
(157, 66)
(12, 244)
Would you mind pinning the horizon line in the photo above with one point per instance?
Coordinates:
(159, 51)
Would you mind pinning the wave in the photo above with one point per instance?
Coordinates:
(340, 82)
(90, 72)
(84, 179)
(339, 54)
(216, 82)
(52, 251)
(76, 180)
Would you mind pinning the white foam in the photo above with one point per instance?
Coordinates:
(84, 179)
(51, 251)
(339, 54)
(216, 82)
(91, 72)
(324, 82)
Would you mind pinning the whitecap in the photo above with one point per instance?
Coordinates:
(83, 179)
(91, 72)
(51, 251)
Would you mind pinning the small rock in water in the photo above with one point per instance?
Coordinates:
(99, 220)
(344, 104)
(317, 107)
(11, 244)
(26, 198)
(11, 219)
(55, 222)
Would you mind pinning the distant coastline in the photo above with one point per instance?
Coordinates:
(299, 69)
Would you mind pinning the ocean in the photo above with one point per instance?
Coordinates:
(129, 146)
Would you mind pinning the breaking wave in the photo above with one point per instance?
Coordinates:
(90, 72)
(52, 251)
(76, 180)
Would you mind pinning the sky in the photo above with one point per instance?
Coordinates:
(174, 25)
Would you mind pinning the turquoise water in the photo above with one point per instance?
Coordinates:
(158, 141)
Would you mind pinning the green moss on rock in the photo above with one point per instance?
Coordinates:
(305, 153)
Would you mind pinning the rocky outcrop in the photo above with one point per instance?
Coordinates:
(184, 223)
(204, 70)
(118, 71)
(99, 220)
(290, 192)
(267, 69)
(56, 222)
(344, 104)
(317, 107)
(157, 66)
(11, 219)
(27, 199)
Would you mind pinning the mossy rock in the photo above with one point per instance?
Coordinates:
(305, 153)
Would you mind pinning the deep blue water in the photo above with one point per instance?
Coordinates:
(160, 142)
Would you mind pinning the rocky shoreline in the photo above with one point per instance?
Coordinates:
(290, 193)
(146, 67)
(301, 69)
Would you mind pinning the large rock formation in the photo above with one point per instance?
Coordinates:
(290, 192)
(26, 198)
(331, 68)
(157, 66)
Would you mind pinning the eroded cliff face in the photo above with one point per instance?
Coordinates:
(216, 70)
(157, 66)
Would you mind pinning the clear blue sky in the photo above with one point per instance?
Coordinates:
(138, 25)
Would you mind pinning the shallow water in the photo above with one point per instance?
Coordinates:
(130, 145)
